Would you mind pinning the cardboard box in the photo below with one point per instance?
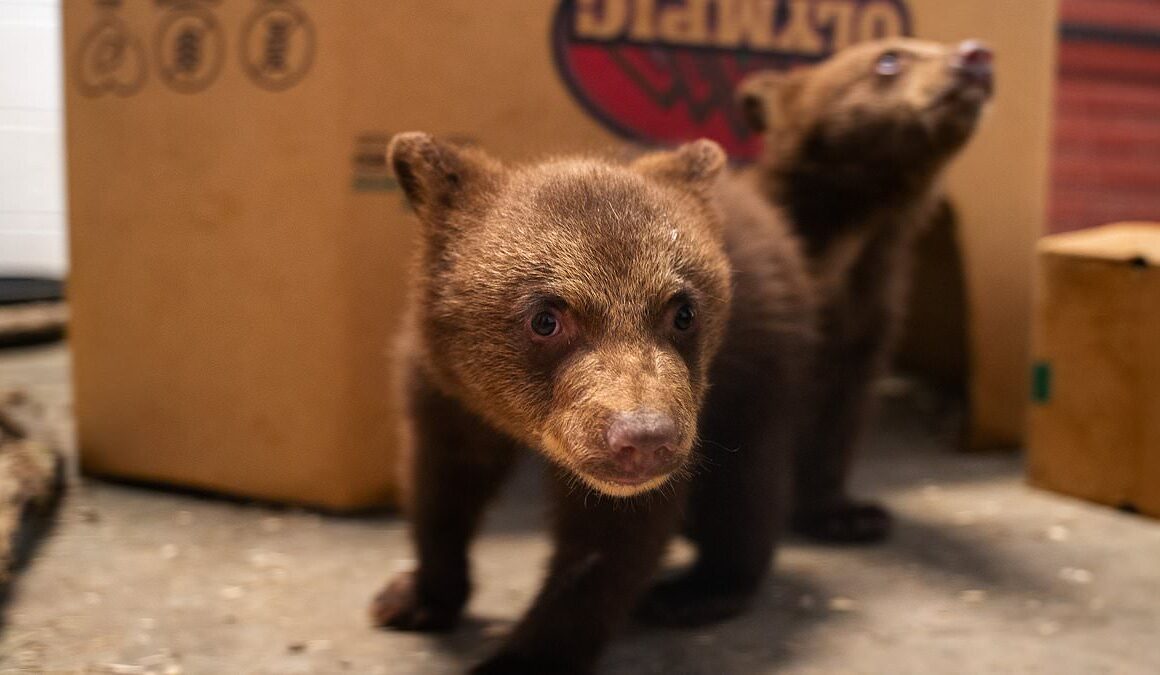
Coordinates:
(1095, 413)
(239, 248)
(233, 283)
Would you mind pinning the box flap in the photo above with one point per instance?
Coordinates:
(1138, 243)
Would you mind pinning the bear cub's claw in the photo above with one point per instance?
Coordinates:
(686, 602)
(398, 606)
(847, 522)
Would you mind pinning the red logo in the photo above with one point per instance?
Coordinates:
(663, 71)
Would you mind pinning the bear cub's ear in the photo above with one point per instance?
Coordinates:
(764, 98)
(436, 175)
(695, 165)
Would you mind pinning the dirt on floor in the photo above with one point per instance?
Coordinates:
(983, 575)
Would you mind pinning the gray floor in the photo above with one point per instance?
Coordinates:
(984, 575)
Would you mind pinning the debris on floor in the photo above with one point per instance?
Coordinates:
(31, 485)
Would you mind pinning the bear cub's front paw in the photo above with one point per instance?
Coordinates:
(511, 663)
(847, 522)
(400, 607)
(687, 601)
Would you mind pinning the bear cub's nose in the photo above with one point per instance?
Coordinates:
(642, 444)
(975, 53)
(973, 63)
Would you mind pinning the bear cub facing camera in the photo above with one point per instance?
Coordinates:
(575, 307)
(854, 150)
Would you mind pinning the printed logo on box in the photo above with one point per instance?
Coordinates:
(664, 71)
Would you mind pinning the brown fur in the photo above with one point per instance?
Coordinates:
(852, 159)
(613, 251)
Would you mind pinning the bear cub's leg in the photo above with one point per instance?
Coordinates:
(737, 512)
(459, 464)
(606, 552)
(823, 509)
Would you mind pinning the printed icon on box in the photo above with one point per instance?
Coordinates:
(278, 43)
(110, 60)
(664, 72)
(190, 48)
(369, 161)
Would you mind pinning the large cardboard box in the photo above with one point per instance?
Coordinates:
(239, 248)
(1095, 414)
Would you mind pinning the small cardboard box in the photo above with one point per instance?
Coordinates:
(239, 248)
(1095, 413)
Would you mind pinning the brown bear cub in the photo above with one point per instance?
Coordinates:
(854, 148)
(575, 307)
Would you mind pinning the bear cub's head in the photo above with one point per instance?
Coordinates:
(897, 105)
(575, 304)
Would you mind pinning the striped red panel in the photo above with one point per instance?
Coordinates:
(1122, 13)
(1107, 129)
(1098, 59)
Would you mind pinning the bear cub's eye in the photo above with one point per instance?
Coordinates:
(889, 63)
(683, 318)
(545, 324)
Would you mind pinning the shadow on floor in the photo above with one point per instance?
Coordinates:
(963, 559)
(772, 633)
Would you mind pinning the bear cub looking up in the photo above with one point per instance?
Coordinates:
(854, 149)
(575, 306)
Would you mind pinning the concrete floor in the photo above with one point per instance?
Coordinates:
(984, 575)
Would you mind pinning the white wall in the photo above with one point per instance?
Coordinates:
(32, 197)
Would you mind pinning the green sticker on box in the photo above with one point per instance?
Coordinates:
(1041, 382)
